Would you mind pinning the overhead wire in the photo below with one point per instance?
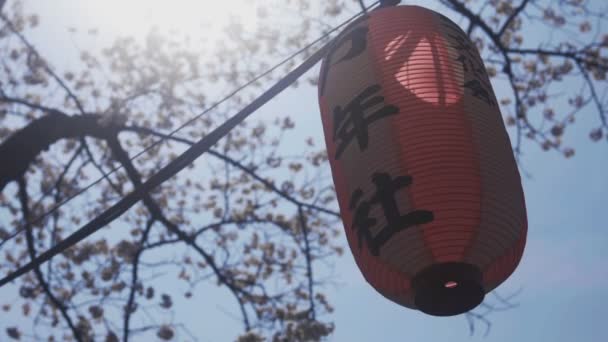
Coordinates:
(182, 160)
(182, 126)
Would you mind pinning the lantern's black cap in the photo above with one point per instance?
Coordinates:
(448, 289)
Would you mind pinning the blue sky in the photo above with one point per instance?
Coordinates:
(563, 272)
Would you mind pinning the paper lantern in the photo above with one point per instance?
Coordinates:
(428, 188)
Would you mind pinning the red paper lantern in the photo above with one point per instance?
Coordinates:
(428, 187)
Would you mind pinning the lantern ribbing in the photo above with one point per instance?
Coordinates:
(429, 191)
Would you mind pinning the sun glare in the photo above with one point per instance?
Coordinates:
(193, 17)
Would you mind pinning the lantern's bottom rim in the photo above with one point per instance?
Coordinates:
(448, 289)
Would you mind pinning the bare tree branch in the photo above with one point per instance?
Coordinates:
(19, 150)
(130, 306)
(45, 66)
(513, 15)
(235, 163)
(24, 198)
(156, 212)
